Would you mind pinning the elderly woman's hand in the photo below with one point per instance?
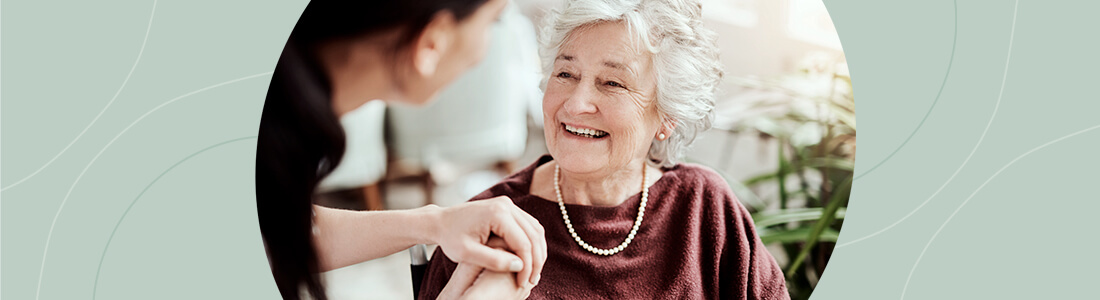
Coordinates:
(465, 229)
(473, 282)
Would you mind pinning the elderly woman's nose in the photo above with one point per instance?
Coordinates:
(581, 100)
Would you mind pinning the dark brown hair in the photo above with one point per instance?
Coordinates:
(301, 140)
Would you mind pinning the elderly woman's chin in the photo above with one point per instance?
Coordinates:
(579, 153)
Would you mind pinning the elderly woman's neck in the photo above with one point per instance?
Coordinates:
(604, 189)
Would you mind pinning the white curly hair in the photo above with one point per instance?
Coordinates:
(684, 56)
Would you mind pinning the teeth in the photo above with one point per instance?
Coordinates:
(592, 133)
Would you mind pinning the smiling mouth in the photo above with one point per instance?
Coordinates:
(588, 133)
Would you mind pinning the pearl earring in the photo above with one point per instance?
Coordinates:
(661, 136)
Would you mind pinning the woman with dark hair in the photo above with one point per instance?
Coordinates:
(341, 55)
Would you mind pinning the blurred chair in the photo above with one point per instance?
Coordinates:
(478, 121)
(418, 265)
(364, 161)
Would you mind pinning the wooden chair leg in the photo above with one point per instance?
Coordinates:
(506, 167)
(429, 185)
(372, 196)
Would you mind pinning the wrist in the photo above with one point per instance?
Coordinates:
(430, 221)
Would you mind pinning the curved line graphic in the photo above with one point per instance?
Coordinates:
(49, 235)
(95, 286)
(140, 52)
(950, 61)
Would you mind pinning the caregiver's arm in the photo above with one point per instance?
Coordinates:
(347, 237)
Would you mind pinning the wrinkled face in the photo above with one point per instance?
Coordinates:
(599, 108)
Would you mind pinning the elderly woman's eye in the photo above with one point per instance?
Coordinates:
(564, 75)
(614, 84)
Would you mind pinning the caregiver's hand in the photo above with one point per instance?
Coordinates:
(464, 230)
(473, 282)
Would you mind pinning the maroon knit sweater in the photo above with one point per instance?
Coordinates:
(695, 242)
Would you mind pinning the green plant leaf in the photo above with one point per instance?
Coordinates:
(813, 163)
(840, 197)
(796, 235)
(762, 178)
(830, 162)
(781, 176)
(770, 218)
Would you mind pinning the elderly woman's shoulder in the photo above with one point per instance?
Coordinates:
(710, 188)
(696, 174)
(701, 177)
(707, 187)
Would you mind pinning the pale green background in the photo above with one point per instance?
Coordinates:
(979, 119)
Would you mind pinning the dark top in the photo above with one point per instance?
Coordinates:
(695, 241)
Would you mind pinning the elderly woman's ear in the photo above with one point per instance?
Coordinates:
(666, 129)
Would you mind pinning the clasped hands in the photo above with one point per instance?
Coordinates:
(499, 247)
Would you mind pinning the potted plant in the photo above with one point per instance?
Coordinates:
(809, 118)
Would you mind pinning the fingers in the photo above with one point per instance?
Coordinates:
(492, 259)
(537, 235)
(496, 285)
(521, 235)
(497, 243)
(461, 280)
(510, 228)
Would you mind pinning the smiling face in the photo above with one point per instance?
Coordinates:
(599, 108)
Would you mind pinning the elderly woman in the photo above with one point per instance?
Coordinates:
(630, 85)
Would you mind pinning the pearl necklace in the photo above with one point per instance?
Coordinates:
(586, 246)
